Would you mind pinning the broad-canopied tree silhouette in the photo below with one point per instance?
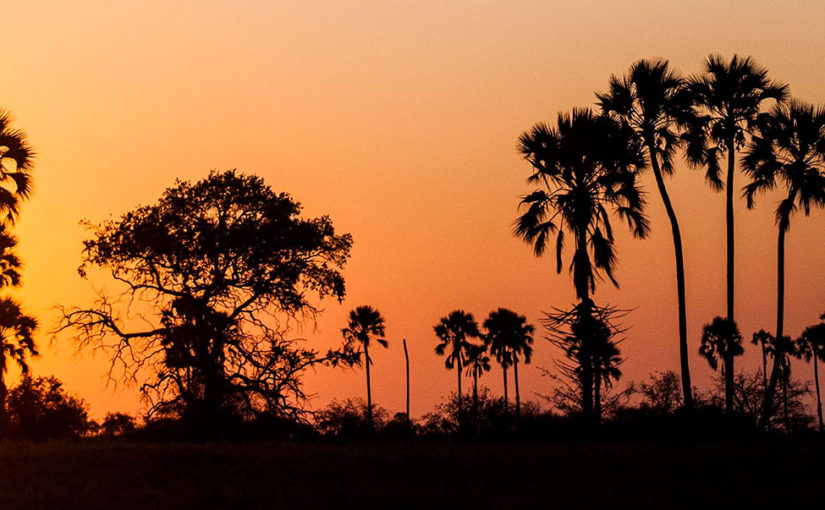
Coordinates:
(721, 340)
(16, 164)
(223, 261)
(478, 362)
(727, 97)
(509, 337)
(786, 150)
(16, 346)
(584, 169)
(455, 331)
(365, 325)
(650, 100)
(811, 347)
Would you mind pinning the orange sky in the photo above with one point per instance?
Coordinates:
(399, 120)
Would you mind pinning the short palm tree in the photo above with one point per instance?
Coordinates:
(650, 99)
(765, 341)
(721, 340)
(787, 149)
(16, 345)
(478, 362)
(455, 331)
(728, 97)
(509, 337)
(365, 325)
(16, 163)
(811, 347)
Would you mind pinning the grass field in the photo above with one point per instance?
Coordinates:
(773, 474)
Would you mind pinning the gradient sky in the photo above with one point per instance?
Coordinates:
(399, 120)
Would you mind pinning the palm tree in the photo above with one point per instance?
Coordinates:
(811, 347)
(728, 97)
(454, 331)
(478, 362)
(10, 263)
(365, 324)
(721, 340)
(509, 337)
(765, 340)
(16, 345)
(787, 148)
(650, 99)
(16, 163)
(582, 167)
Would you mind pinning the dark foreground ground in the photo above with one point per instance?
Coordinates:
(774, 474)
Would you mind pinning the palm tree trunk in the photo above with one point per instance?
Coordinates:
(597, 393)
(729, 223)
(785, 402)
(818, 396)
(687, 390)
(518, 397)
(369, 389)
(778, 356)
(764, 369)
(506, 404)
(460, 410)
(4, 415)
(475, 402)
(581, 281)
(407, 362)
(729, 388)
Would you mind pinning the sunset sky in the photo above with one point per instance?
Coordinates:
(399, 120)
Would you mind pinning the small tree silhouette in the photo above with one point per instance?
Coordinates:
(721, 340)
(509, 336)
(811, 346)
(365, 325)
(454, 331)
(478, 362)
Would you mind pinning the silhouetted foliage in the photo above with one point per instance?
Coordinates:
(662, 392)
(365, 324)
(649, 101)
(226, 265)
(39, 408)
(117, 424)
(509, 336)
(787, 149)
(721, 340)
(16, 346)
(454, 331)
(811, 348)
(16, 164)
(349, 420)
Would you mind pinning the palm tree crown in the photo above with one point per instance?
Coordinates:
(365, 324)
(454, 331)
(509, 336)
(16, 336)
(583, 166)
(16, 162)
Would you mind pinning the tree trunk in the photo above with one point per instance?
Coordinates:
(818, 396)
(597, 392)
(506, 403)
(369, 389)
(518, 396)
(785, 402)
(729, 223)
(460, 410)
(729, 387)
(778, 356)
(687, 390)
(475, 402)
(407, 362)
(764, 369)
(4, 413)
(582, 284)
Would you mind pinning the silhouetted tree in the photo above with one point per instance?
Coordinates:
(650, 100)
(727, 96)
(349, 420)
(454, 331)
(787, 148)
(16, 346)
(662, 392)
(40, 408)
(478, 362)
(721, 340)
(584, 167)
(509, 336)
(223, 261)
(811, 346)
(765, 341)
(117, 424)
(365, 324)
(16, 164)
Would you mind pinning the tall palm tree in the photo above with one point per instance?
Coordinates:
(721, 340)
(478, 362)
(727, 97)
(583, 167)
(787, 149)
(455, 330)
(509, 336)
(650, 99)
(811, 347)
(16, 163)
(365, 325)
(16, 345)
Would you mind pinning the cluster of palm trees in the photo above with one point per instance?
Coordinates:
(585, 167)
(16, 328)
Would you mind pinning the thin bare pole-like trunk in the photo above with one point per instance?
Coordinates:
(729, 387)
(369, 389)
(597, 392)
(687, 390)
(407, 362)
(460, 409)
(818, 396)
(506, 403)
(764, 369)
(518, 396)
